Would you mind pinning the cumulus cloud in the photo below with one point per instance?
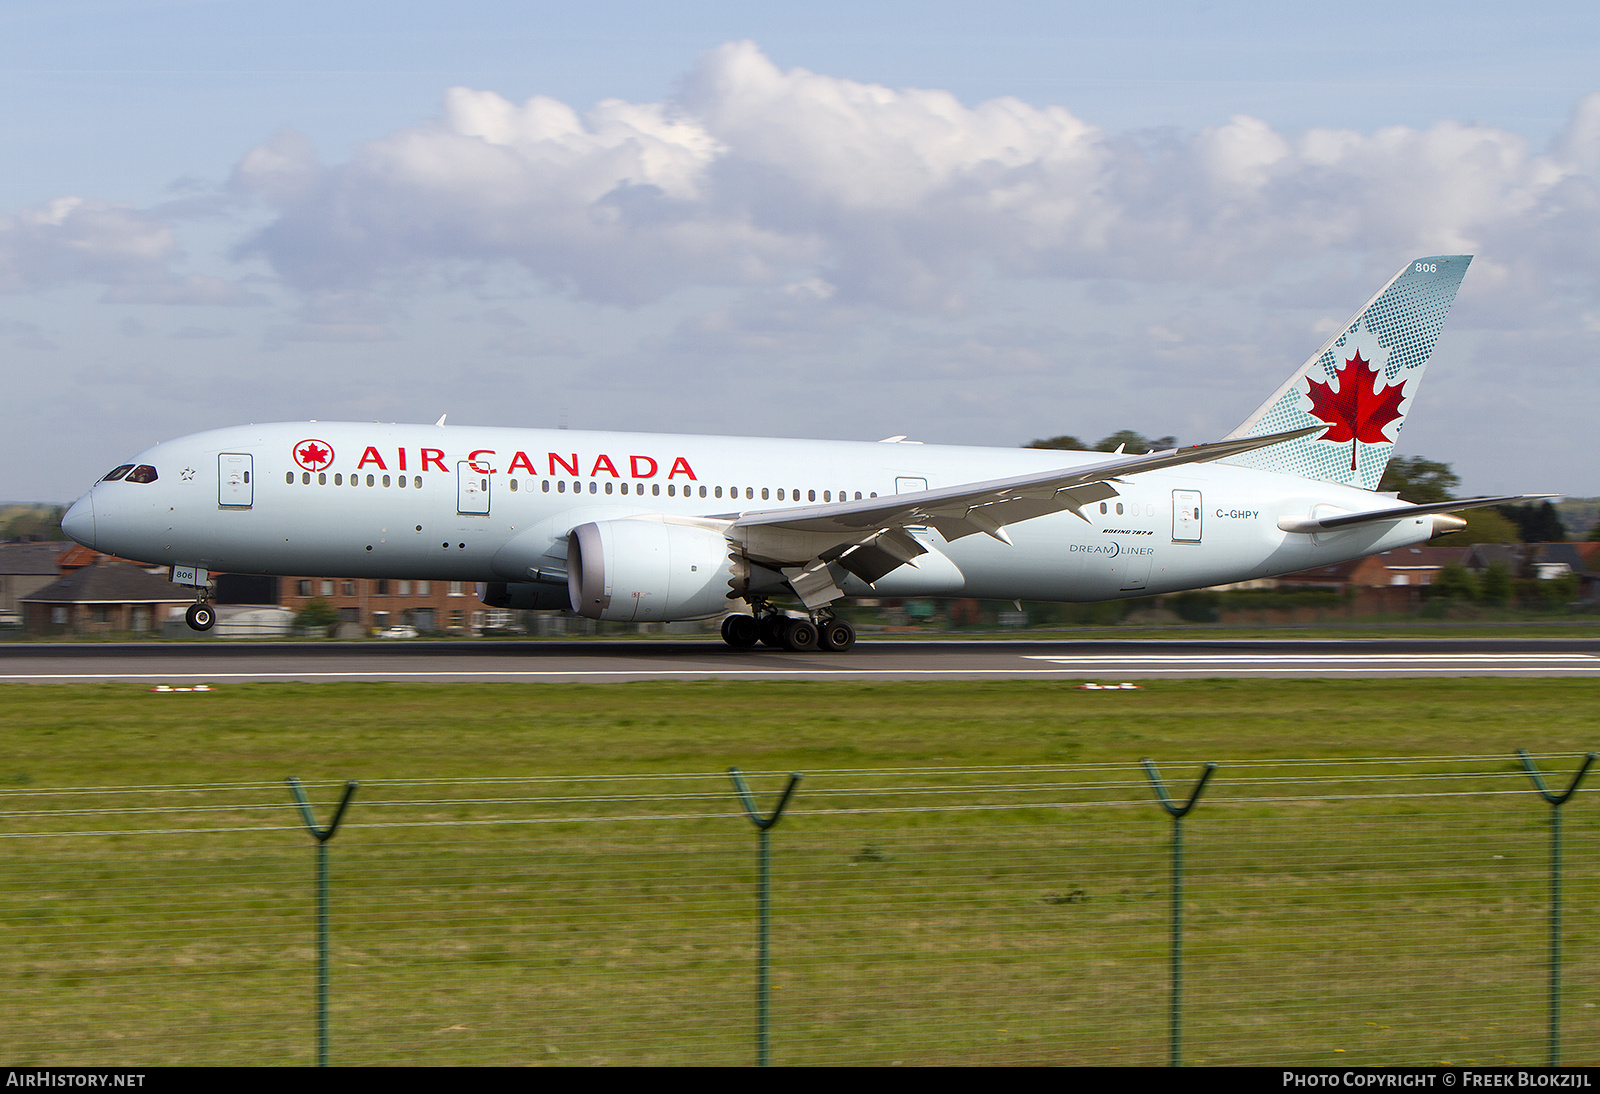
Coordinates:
(757, 177)
(71, 239)
(130, 251)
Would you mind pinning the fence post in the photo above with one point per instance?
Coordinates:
(1556, 802)
(764, 825)
(322, 836)
(1175, 1014)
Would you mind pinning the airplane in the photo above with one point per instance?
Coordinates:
(645, 527)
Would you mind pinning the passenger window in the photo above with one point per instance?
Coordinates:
(544, 484)
(386, 480)
(117, 472)
(811, 495)
(305, 478)
(1119, 508)
(763, 493)
(416, 482)
(288, 478)
(561, 486)
(338, 480)
(372, 480)
(718, 492)
(608, 488)
(750, 493)
(322, 478)
(827, 495)
(594, 487)
(513, 486)
(702, 491)
(655, 489)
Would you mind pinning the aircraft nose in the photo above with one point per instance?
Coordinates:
(79, 521)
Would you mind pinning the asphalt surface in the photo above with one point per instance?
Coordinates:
(187, 664)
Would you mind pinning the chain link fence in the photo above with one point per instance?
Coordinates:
(1337, 911)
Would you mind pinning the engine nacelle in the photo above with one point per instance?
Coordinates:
(644, 570)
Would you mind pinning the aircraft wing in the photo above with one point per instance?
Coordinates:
(1307, 525)
(868, 538)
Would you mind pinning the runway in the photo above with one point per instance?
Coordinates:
(187, 664)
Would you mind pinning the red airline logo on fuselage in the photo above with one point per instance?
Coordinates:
(316, 455)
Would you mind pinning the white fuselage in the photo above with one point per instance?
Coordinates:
(443, 502)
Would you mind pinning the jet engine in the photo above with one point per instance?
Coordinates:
(645, 570)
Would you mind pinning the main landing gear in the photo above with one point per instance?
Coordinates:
(773, 628)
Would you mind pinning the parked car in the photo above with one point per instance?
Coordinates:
(398, 632)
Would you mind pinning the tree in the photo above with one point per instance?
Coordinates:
(1536, 523)
(317, 613)
(31, 522)
(1130, 441)
(1496, 584)
(1127, 438)
(1419, 480)
(1487, 526)
(1455, 580)
(1064, 442)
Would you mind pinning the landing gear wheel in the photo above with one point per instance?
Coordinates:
(800, 635)
(200, 617)
(837, 636)
(741, 631)
(772, 630)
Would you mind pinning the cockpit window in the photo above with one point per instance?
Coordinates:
(117, 473)
(143, 473)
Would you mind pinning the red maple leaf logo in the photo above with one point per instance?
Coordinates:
(313, 455)
(1356, 412)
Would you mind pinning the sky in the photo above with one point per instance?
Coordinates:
(969, 224)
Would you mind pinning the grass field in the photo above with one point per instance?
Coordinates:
(969, 872)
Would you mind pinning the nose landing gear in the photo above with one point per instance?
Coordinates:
(200, 616)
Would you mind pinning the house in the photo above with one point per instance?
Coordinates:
(26, 568)
(376, 603)
(102, 595)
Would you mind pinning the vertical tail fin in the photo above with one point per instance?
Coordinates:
(1361, 384)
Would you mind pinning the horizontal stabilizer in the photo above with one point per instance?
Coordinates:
(1309, 525)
